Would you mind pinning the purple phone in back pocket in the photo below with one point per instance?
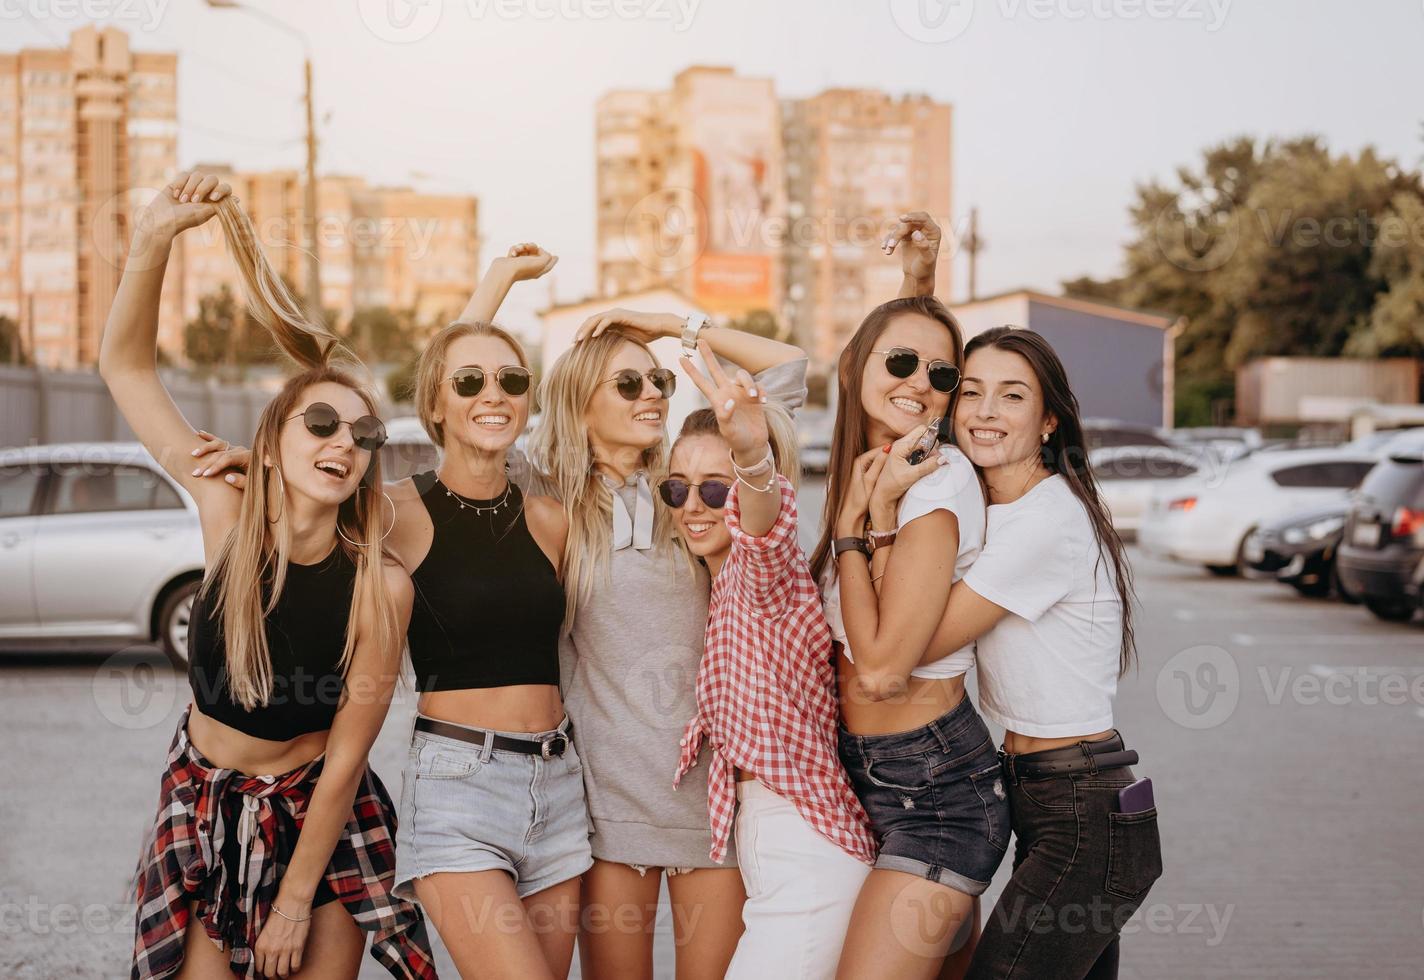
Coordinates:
(1136, 797)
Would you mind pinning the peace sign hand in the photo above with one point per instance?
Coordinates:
(737, 403)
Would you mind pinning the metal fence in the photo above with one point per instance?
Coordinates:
(39, 406)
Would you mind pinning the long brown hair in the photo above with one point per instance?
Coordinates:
(1066, 454)
(848, 438)
(254, 555)
(785, 452)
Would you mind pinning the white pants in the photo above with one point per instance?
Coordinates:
(801, 890)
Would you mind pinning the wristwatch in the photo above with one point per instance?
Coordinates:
(841, 545)
(692, 325)
(880, 539)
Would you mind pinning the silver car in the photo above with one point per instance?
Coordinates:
(99, 549)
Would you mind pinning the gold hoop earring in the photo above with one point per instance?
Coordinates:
(281, 495)
(358, 544)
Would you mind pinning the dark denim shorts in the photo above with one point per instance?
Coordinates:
(935, 797)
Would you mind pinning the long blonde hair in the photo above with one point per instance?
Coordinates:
(560, 449)
(255, 552)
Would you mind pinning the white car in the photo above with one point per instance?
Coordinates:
(408, 450)
(99, 549)
(1129, 475)
(1202, 523)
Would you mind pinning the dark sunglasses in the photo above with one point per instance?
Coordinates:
(630, 382)
(321, 420)
(713, 492)
(902, 362)
(470, 381)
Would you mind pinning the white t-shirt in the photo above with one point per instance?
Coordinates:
(1049, 668)
(954, 487)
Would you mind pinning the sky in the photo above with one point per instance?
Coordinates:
(1062, 107)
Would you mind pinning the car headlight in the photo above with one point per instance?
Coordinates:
(1321, 530)
(1293, 535)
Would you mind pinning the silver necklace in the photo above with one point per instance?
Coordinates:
(466, 504)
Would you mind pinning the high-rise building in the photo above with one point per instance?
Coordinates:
(742, 202)
(87, 134)
(856, 160)
(691, 191)
(377, 246)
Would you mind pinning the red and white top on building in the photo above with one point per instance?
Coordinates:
(766, 699)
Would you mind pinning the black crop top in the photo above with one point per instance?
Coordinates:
(306, 635)
(488, 603)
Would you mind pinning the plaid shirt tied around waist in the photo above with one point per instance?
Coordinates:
(766, 687)
(200, 804)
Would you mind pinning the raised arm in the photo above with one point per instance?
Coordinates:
(128, 353)
(917, 236)
(523, 261)
(746, 350)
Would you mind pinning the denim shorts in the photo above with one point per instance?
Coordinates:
(471, 807)
(935, 797)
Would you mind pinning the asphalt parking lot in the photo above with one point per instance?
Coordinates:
(1282, 735)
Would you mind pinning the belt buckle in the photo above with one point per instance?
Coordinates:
(544, 746)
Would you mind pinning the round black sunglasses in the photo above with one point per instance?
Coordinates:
(322, 421)
(713, 492)
(470, 381)
(902, 362)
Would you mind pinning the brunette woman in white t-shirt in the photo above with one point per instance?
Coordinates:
(1049, 600)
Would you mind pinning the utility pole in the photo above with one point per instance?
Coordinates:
(973, 244)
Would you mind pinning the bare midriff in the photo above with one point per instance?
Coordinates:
(1016, 744)
(923, 700)
(524, 708)
(227, 748)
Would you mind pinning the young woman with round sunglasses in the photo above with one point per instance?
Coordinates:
(492, 812)
(637, 616)
(1049, 602)
(766, 696)
(272, 848)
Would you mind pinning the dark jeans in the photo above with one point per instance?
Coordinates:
(1081, 869)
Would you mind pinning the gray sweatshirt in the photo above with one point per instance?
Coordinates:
(628, 670)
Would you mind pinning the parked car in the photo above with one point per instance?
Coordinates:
(1099, 433)
(99, 549)
(1300, 550)
(1207, 524)
(1128, 476)
(1382, 555)
(813, 428)
(1228, 442)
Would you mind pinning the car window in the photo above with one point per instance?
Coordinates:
(1336, 474)
(17, 489)
(89, 488)
(1142, 466)
(1395, 484)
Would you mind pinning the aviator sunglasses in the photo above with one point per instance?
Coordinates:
(470, 381)
(321, 420)
(630, 382)
(713, 492)
(902, 362)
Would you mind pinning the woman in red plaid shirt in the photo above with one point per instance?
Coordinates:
(766, 705)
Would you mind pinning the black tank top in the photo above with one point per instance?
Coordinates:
(306, 635)
(488, 603)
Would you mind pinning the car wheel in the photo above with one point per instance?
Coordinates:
(1317, 588)
(1390, 610)
(173, 619)
(1341, 593)
(1222, 570)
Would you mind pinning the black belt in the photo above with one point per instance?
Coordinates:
(1107, 753)
(548, 748)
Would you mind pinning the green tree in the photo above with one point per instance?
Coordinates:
(763, 323)
(223, 335)
(378, 333)
(1268, 248)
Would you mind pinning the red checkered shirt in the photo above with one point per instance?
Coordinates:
(766, 698)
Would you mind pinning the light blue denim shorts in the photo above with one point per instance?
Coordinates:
(471, 807)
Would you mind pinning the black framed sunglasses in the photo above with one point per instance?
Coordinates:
(470, 381)
(630, 382)
(713, 492)
(902, 362)
(322, 421)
